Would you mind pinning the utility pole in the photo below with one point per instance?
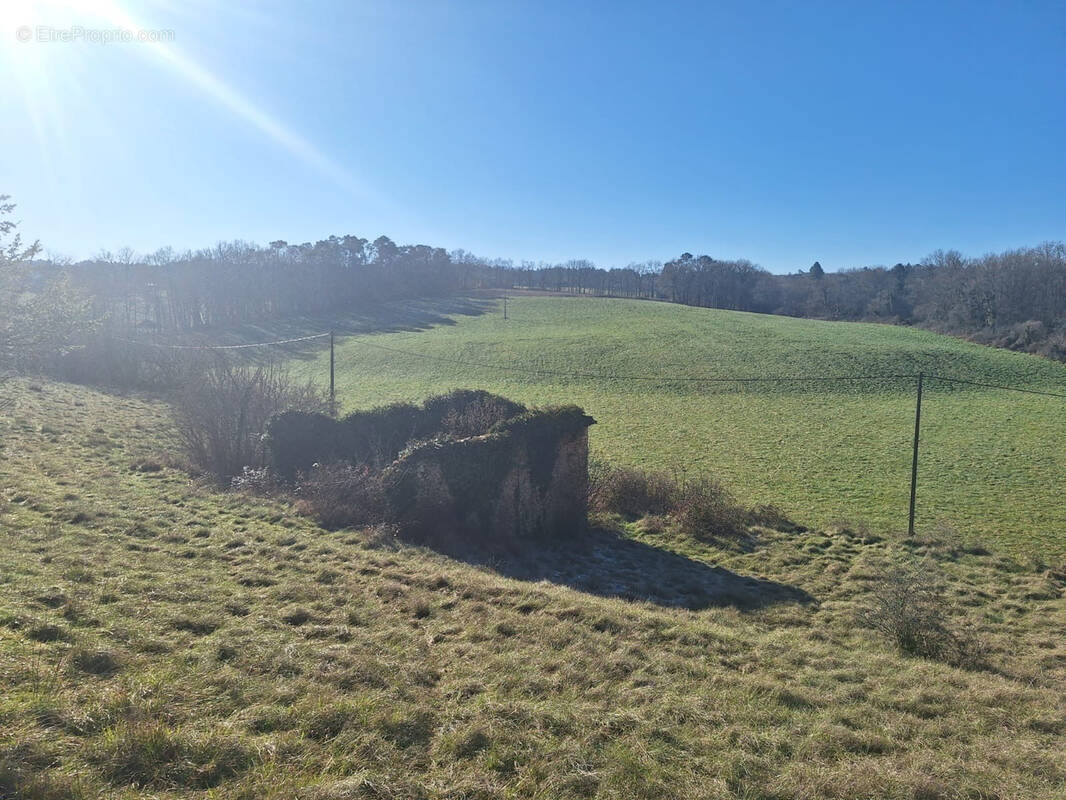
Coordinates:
(914, 460)
(332, 387)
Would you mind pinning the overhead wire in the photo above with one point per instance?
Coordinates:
(581, 375)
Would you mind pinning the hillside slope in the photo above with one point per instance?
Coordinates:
(991, 466)
(160, 638)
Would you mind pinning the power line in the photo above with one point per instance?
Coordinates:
(996, 386)
(606, 377)
(702, 379)
(653, 378)
(222, 346)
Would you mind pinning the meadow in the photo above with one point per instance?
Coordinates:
(991, 468)
(160, 638)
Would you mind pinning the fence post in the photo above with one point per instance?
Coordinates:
(332, 392)
(914, 459)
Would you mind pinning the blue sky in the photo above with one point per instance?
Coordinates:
(851, 133)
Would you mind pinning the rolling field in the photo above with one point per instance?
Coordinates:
(160, 638)
(992, 464)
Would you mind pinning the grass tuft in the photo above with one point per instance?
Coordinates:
(154, 755)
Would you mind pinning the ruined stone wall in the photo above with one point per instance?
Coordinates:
(467, 463)
(527, 479)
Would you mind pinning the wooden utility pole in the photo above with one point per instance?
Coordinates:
(332, 386)
(914, 459)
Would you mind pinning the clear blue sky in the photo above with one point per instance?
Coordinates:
(851, 133)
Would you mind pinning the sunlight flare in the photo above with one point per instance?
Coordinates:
(30, 20)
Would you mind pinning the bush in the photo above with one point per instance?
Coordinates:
(43, 317)
(295, 440)
(467, 412)
(770, 516)
(1023, 335)
(703, 508)
(910, 608)
(222, 415)
(339, 495)
(700, 506)
(630, 491)
(377, 436)
(1032, 336)
(1054, 347)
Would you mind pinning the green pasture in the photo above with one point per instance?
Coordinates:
(992, 462)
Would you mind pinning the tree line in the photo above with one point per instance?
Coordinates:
(1013, 299)
(238, 282)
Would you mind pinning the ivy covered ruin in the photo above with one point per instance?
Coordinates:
(467, 464)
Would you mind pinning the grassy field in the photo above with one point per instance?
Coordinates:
(161, 639)
(992, 465)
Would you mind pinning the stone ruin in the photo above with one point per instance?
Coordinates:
(468, 464)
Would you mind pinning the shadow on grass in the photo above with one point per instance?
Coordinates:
(606, 563)
(386, 317)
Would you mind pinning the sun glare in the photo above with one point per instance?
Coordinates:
(35, 65)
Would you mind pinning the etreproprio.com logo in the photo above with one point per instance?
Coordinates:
(77, 33)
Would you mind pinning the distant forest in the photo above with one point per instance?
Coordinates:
(1015, 299)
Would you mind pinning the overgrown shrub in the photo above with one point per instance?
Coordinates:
(909, 607)
(377, 436)
(699, 506)
(297, 439)
(222, 414)
(1054, 347)
(341, 494)
(467, 412)
(1031, 336)
(704, 508)
(628, 490)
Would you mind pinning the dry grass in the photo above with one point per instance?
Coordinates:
(158, 638)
